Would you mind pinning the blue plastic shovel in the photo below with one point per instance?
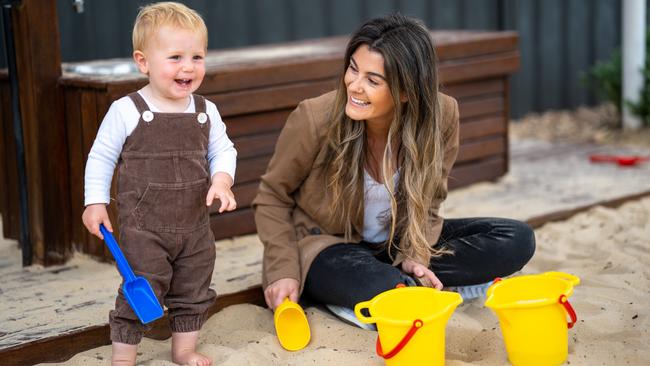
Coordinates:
(137, 290)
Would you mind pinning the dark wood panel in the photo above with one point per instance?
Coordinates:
(483, 148)
(38, 61)
(56, 348)
(250, 124)
(483, 126)
(272, 98)
(90, 125)
(3, 178)
(229, 224)
(474, 88)
(244, 195)
(256, 145)
(479, 67)
(251, 169)
(473, 44)
(246, 77)
(3, 158)
(102, 103)
(541, 220)
(76, 162)
(10, 211)
(466, 174)
(470, 108)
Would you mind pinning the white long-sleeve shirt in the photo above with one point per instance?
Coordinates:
(118, 123)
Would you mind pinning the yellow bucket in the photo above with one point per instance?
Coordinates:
(411, 324)
(532, 312)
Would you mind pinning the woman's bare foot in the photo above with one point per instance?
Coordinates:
(123, 354)
(184, 350)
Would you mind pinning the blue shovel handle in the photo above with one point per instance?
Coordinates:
(122, 264)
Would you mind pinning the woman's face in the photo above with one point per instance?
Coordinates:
(369, 97)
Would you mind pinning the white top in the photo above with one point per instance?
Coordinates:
(376, 210)
(120, 121)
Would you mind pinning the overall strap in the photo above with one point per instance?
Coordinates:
(199, 103)
(139, 102)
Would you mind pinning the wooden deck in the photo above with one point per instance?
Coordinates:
(49, 314)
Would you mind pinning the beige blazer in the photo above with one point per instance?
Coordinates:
(291, 211)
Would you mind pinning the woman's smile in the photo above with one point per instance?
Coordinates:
(358, 102)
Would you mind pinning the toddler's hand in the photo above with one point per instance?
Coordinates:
(220, 188)
(94, 215)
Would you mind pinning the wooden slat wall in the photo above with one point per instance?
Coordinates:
(256, 89)
(8, 181)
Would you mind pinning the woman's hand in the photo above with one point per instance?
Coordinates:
(279, 290)
(424, 274)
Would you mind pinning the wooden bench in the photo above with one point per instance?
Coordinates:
(255, 89)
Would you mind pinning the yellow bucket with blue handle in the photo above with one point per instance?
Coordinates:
(411, 324)
(532, 312)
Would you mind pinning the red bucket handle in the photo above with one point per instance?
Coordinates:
(569, 309)
(417, 324)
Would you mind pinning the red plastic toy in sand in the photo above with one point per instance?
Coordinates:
(622, 160)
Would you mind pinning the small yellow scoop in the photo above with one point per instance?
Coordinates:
(291, 326)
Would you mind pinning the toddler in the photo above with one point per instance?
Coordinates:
(173, 159)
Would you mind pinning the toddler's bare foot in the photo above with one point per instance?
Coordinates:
(123, 354)
(184, 350)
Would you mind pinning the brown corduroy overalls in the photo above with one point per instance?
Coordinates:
(163, 180)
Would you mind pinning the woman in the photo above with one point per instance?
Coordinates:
(348, 207)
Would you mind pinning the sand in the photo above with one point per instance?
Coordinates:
(607, 248)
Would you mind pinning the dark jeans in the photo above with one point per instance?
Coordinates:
(483, 249)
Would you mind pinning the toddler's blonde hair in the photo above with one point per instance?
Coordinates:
(153, 16)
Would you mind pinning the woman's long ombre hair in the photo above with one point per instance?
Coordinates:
(410, 70)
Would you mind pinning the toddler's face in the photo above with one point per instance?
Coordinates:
(175, 62)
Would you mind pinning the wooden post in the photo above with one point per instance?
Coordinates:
(38, 58)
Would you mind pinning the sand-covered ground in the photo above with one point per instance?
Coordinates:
(609, 249)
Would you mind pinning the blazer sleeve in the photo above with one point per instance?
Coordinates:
(295, 152)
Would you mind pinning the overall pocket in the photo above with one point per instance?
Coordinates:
(173, 207)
